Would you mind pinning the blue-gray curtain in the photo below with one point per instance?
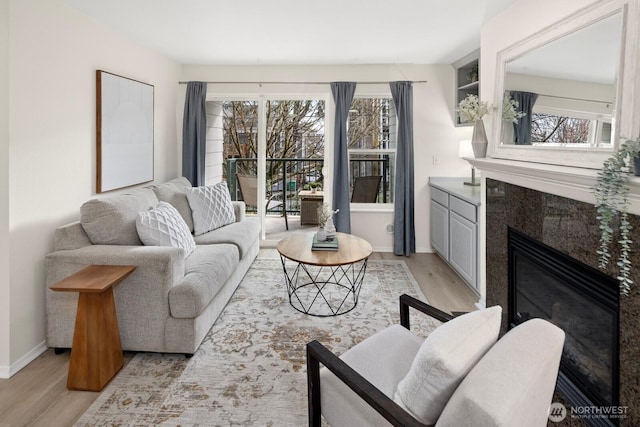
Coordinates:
(522, 129)
(404, 234)
(194, 131)
(342, 95)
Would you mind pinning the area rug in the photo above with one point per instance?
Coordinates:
(250, 369)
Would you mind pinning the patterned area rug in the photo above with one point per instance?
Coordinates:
(250, 369)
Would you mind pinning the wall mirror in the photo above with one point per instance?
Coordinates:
(561, 91)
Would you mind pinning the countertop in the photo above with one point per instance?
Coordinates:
(456, 186)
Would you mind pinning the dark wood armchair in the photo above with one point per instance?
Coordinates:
(511, 382)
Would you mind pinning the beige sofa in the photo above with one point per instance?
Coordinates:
(169, 303)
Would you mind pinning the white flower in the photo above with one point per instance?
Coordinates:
(472, 109)
(510, 111)
(324, 212)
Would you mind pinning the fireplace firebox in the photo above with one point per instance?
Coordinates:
(548, 284)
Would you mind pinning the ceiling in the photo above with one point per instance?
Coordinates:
(300, 31)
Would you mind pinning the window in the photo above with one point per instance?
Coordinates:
(568, 128)
(372, 146)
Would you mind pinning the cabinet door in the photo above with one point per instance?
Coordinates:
(439, 229)
(463, 248)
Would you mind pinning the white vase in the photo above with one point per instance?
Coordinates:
(321, 235)
(479, 140)
(508, 134)
(330, 229)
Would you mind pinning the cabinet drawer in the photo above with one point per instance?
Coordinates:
(464, 209)
(440, 197)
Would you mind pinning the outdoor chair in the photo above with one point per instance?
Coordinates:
(249, 190)
(458, 376)
(365, 189)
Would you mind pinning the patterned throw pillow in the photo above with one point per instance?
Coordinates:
(211, 207)
(164, 226)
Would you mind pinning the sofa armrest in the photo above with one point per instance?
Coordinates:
(141, 299)
(239, 208)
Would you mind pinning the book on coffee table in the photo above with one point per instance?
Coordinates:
(324, 245)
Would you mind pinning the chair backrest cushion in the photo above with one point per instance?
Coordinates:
(249, 189)
(365, 189)
(444, 359)
(513, 384)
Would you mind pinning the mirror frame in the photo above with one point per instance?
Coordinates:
(627, 103)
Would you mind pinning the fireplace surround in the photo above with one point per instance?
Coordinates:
(570, 228)
(545, 283)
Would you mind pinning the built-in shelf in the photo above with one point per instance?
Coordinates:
(470, 86)
(466, 84)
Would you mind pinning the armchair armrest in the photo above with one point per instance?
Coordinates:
(407, 301)
(385, 406)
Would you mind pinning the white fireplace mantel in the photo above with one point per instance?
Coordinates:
(566, 181)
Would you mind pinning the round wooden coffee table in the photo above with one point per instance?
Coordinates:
(324, 283)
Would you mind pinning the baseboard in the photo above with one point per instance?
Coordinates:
(419, 249)
(9, 371)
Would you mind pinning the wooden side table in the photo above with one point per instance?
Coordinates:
(309, 204)
(96, 353)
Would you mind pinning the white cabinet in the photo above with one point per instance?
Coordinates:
(439, 229)
(463, 252)
(454, 226)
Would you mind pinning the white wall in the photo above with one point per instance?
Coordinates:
(434, 130)
(5, 301)
(55, 52)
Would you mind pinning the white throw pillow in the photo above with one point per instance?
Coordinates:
(211, 207)
(444, 359)
(164, 226)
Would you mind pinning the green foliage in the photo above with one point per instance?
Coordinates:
(611, 193)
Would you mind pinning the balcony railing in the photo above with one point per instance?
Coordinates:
(286, 177)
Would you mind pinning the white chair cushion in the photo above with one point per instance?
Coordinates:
(164, 226)
(211, 207)
(444, 359)
(383, 359)
(514, 382)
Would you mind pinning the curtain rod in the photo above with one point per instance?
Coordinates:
(297, 83)
(575, 99)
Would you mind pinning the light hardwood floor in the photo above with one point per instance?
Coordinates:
(38, 396)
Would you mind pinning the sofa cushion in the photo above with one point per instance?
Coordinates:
(242, 234)
(444, 359)
(163, 226)
(211, 207)
(173, 192)
(112, 220)
(206, 270)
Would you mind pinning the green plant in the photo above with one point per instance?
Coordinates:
(611, 193)
(472, 75)
(312, 185)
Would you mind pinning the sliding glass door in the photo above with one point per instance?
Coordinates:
(279, 146)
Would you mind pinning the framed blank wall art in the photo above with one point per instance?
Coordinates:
(124, 132)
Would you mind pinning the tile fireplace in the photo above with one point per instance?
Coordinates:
(602, 349)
